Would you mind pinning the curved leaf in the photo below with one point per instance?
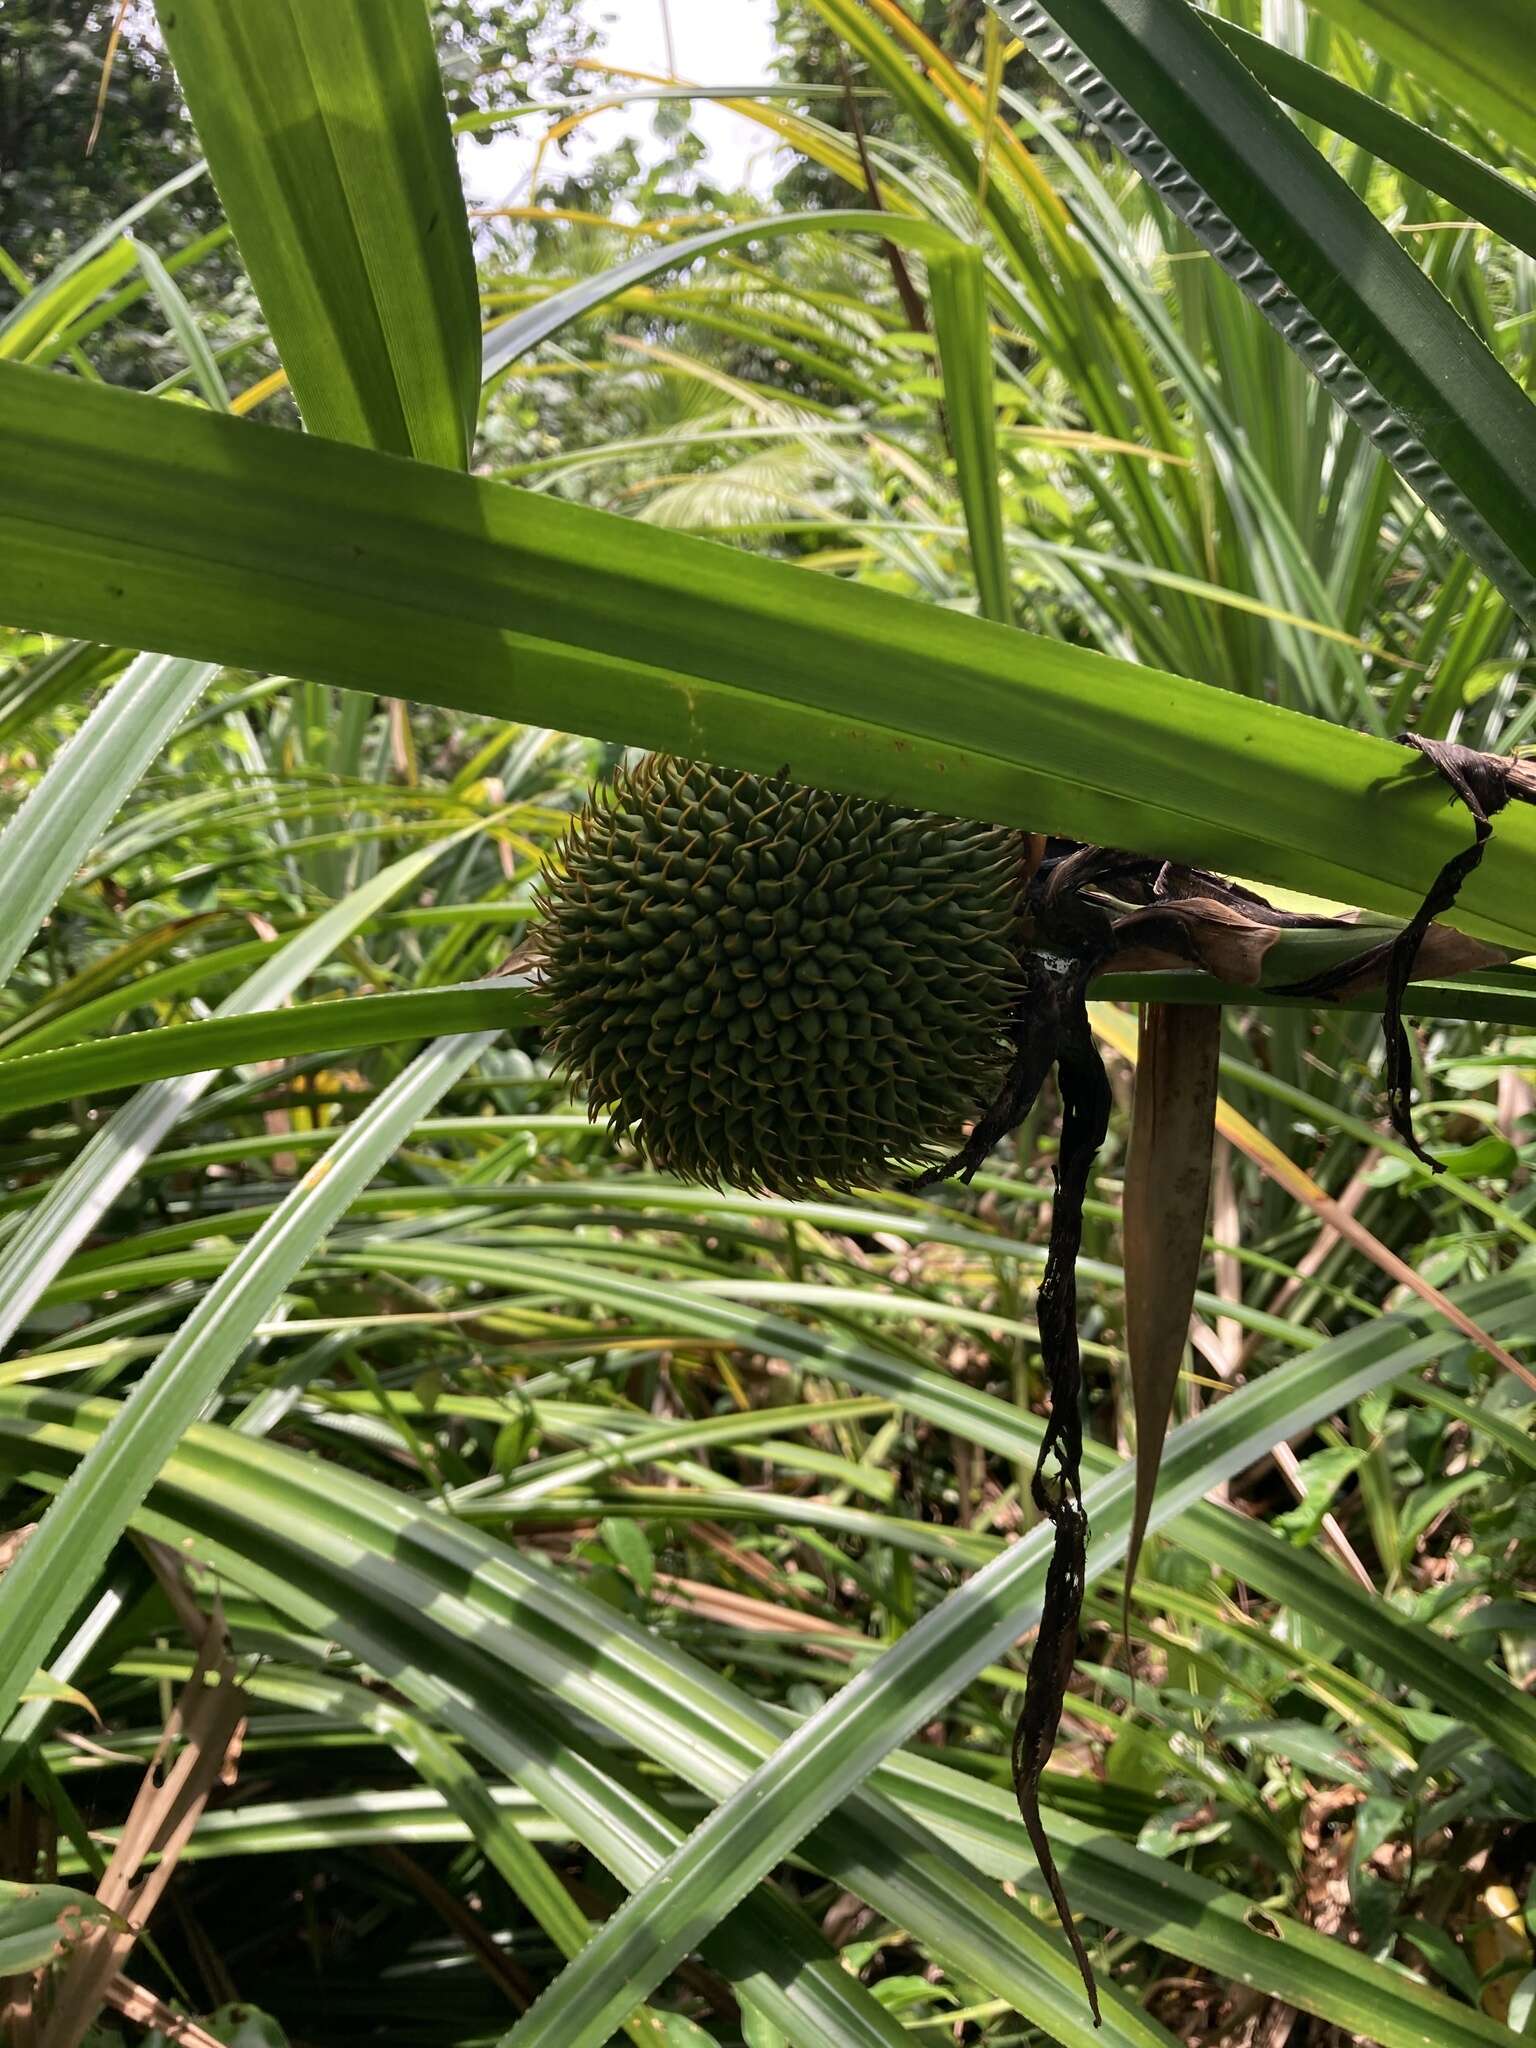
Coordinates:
(87, 780)
(338, 1554)
(82, 1193)
(509, 339)
(786, 1796)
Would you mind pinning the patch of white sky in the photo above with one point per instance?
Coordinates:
(706, 42)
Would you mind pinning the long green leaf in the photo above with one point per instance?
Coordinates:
(1183, 1914)
(57, 1564)
(777, 1962)
(838, 1746)
(492, 1605)
(463, 1792)
(128, 519)
(358, 1023)
(40, 311)
(957, 290)
(80, 1196)
(1307, 252)
(1477, 54)
(77, 798)
(509, 339)
(1425, 157)
(1505, 996)
(183, 323)
(330, 144)
(328, 139)
(293, 1546)
(1190, 1917)
(349, 1025)
(40, 1922)
(1385, 1348)
(233, 1485)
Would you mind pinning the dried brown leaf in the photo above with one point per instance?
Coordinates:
(201, 1738)
(1167, 1189)
(136, 2003)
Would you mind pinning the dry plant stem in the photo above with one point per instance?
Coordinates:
(509, 1977)
(911, 299)
(1311, 1260)
(1227, 1231)
(1208, 1346)
(136, 2003)
(1333, 1528)
(743, 1611)
(204, 1732)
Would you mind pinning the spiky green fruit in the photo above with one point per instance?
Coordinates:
(777, 988)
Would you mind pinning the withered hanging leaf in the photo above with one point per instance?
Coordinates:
(1167, 1192)
(1057, 1488)
(1442, 952)
(1227, 939)
(1051, 1026)
(1034, 1736)
(1484, 783)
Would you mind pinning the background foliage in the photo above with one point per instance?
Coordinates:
(479, 1396)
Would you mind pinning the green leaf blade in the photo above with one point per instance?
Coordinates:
(74, 1539)
(1427, 158)
(328, 139)
(1478, 54)
(55, 829)
(130, 520)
